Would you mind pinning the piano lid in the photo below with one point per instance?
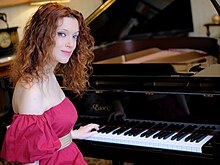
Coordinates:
(131, 19)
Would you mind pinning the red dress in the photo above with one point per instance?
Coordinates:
(36, 137)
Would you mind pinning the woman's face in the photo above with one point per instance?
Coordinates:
(65, 39)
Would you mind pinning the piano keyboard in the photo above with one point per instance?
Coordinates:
(161, 135)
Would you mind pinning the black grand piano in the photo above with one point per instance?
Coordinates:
(151, 118)
(149, 113)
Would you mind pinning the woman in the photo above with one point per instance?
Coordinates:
(56, 39)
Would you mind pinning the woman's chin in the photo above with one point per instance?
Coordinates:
(64, 61)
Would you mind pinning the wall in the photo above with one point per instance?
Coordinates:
(202, 11)
(19, 15)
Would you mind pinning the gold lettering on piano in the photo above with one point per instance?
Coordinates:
(98, 107)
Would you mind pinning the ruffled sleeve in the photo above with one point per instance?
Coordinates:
(29, 138)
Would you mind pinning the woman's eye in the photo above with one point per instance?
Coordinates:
(75, 36)
(61, 34)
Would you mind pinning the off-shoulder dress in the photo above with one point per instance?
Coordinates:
(36, 137)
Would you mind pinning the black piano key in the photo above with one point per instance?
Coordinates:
(200, 138)
(202, 133)
(154, 129)
(168, 134)
(133, 131)
(189, 138)
(177, 128)
(192, 137)
(120, 130)
(139, 128)
(157, 135)
(149, 133)
(112, 126)
(181, 136)
(184, 132)
(137, 132)
(107, 129)
(170, 130)
(126, 127)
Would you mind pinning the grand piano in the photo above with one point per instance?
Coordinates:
(149, 113)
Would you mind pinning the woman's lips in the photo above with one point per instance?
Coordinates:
(68, 53)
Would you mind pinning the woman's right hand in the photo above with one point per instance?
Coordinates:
(85, 131)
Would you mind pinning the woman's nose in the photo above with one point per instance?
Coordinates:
(70, 43)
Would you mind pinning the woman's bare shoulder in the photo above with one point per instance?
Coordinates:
(27, 99)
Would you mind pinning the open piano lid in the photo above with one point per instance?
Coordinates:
(132, 19)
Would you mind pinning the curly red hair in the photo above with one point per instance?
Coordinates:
(34, 50)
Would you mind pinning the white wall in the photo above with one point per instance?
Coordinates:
(18, 15)
(202, 11)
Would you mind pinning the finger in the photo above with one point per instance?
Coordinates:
(91, 126)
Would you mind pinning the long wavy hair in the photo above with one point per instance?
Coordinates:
(34, 50)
